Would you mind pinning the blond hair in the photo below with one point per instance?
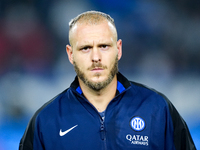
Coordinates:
(91, 17)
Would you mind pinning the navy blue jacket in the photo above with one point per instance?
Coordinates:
(137, 118)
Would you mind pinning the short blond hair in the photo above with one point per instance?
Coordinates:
(92, 18)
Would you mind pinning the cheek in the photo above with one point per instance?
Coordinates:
(112, 59)
(81, 63)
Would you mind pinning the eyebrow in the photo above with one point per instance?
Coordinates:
(105, 43)
(91, 45)
(83, 46)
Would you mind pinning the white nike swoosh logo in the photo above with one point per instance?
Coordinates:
(65, 132)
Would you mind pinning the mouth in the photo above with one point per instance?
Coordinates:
(97, 69)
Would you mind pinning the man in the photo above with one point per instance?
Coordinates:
(102, 109)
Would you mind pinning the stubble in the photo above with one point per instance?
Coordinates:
(97, 86)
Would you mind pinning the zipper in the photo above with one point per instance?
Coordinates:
(102, 130)
(103, 133)
(102, 127)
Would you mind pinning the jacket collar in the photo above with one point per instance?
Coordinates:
(122, 84)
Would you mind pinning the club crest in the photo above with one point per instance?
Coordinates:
(137, 123)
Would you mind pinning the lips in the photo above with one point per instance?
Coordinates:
(97, 69)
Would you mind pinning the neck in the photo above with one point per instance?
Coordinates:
(100, 99)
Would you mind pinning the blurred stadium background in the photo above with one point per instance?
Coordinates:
(161, 48)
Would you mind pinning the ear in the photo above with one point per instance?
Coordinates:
(119, 48)
(69, 53)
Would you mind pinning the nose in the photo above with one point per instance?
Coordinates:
(96, 56)
(96, 61)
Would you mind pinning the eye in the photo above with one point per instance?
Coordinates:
(104, 47)
(85, 49)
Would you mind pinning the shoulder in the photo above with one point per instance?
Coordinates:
(27, 139)
(149, 93)
(51, 102)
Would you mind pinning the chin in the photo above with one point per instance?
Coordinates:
(99, 78)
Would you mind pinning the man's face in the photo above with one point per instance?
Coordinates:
(95, 54)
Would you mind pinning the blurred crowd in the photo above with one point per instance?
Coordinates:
(161, 40)
(33, 33)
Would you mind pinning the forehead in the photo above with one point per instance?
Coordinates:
(85, 30)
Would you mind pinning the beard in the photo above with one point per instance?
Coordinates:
(97, 86)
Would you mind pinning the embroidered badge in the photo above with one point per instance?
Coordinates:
(137, 123)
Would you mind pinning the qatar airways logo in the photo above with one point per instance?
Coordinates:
(137, 139)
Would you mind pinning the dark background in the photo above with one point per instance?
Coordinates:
(161, 48)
